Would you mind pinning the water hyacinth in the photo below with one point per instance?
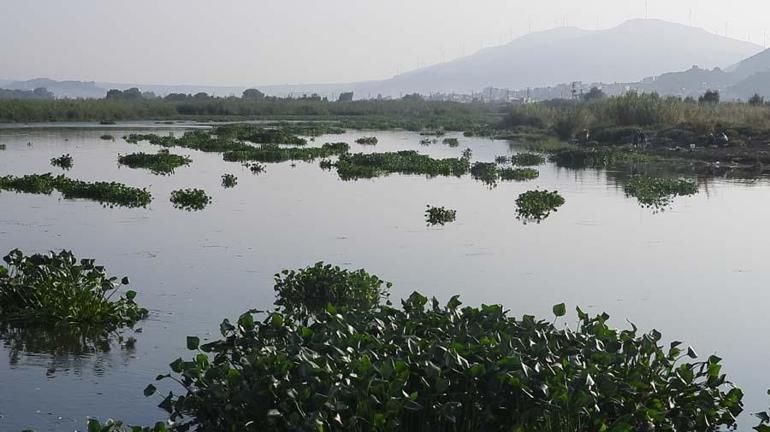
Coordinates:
(527, 159)
(367, 141)
(451, 142)
(59, 288)
(162, 162)
(359, 165)
(439, 216)
(229, 181)
(518, 174)
(190, 199)
(110, 194)
(64, 161)
(656, 192)
(537, 205)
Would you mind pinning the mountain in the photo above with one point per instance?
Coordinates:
(68, 89)
(752, 65)
(626, 53)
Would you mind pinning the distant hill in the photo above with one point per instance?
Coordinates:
(752, 65)
(69, 89)
(627, 53)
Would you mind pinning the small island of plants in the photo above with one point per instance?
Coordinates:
(439, 216)
(537, 205)
(190, 199)
(63, 161)
(109, 194)
(229, 181)
(367, 141)
(657, 192)
(162, 162)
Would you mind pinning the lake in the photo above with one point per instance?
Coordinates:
(696, 272)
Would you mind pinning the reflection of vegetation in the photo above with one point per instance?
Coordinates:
(439, 216)
(367, 140)
(518, 174)
(353, 166)
(537, 205)
(64, 161)
(58, 288)
(445, 368)
(229, 181)
(656, 192)
(190, 199)
(162, 162)
(110, 194)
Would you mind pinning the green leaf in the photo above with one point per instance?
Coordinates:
(193, 342)
(560, 310)
(150, 390)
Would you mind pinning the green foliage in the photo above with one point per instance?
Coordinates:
(94, 425)
(163, 162)
(310, 291)
(255, 167)
(190, 199)
(259, 135)
(502, 160)
(108, 193)
(274, 153)
(485, 172)
(448, 369)
(57, 288)
(359, 165)
(537, 205)
(64, 161)
(229, 181)
(451, 142)
(658, 192)
(439, 216)
(367, 140)
(518, 174)
(527, 159)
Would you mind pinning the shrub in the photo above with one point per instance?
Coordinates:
(308, 292)
(430, 368)
(58, 288)
(439, 216)
(537, 205)
(64, 161)
(190, 199)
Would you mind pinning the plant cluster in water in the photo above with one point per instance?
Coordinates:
(108, 193)
(518, 174)
(537, 205)
(527, 159)
(274, 153)
(229, 181)
(502, 160)
(254, 167)
(259, 135)
(190, 199)
(657, 192)
(359, 165)
(451, 142)
(364, 366)
(367, 140)
(161, 162)
(58, 288)
(439, 216)
(63, 161)
(485, 172)
(107, 137)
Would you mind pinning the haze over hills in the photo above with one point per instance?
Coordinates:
(624, 54)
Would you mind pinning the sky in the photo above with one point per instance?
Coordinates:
(264, 42)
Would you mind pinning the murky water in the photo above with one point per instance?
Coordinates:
(697, 272)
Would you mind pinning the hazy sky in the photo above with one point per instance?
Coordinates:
(259, 42)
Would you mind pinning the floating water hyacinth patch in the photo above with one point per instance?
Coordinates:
(439, 216)
(190, 199)
(518, 174)
(485, 172)
(162, 162)
(451, 142)
(229, 181)
(527, 159)
(656, 192)
(502, 160)
(109, 194)
(63, 161)
(537, 205)
(107, 137)
(367, 140)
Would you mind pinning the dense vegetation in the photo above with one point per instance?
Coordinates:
(108, 193)
(367, 140)
(161, 162)
(229, 181)
(63, 161)
(190, 199)
(360, 165)
(518, 174)
(439, 215)
(656, 192)
(57, 288)
(537, 205)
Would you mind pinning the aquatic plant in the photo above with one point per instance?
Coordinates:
(425, 141)
(255, 167)
(436, 133)
(162, 162)
(229, 181)
(439, 216)
(107, 137)
(367, 140)
(502, 160)
(273, 153)
(59, 288)
(190, 199)
(326, 164)
(485, 172)
(94, 425)
(537, 205)
(309, 291)
(467, 154)
(527, 159)
(107, 193)
(107, 122)
(518, 174)
(63, 161)
(451, 142)
(658, 192)
(360, 165)
(444, 368)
